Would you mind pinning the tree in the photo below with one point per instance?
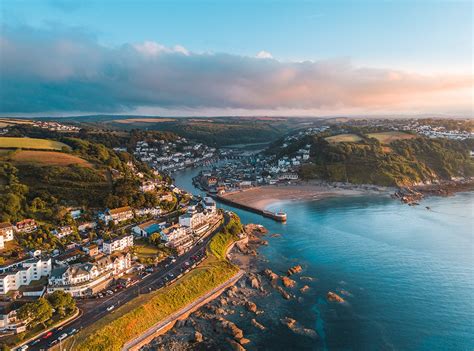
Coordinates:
(155, 239)
(62, 302)
(36, 312)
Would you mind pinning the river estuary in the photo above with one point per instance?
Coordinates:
(407, 273)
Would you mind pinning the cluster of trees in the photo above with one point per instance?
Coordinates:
(401, 163)
(41, 311)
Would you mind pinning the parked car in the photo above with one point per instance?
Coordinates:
(110, 308)
(47, 335)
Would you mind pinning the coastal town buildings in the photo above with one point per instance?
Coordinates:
(117, 244)
(147, 228)
(26, 226)
(6, 233)
(80, 279)
(117, 215)
(171, 156)
(22, 273)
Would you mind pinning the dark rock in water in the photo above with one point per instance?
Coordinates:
(304, 289)
(333, 297)
(272, 276)
(289, 322)
(293, 325)
(287, 282)
(198, 336)
(255, 283)
(283, 293)
(257, 324)
(244, 341)
(252, 307)
(294, 270)
(235, 345)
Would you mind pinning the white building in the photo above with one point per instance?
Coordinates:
(23, 274)
(63, 231)
(117, 244)
(117, 215)
(6, 230)
(84, 278)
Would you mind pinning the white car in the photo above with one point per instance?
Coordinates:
(110, 308)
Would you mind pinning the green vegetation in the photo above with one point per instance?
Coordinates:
(382, 158)
(389, 137)
(132, 319)
(343, 138)
(30, 143)
(41, 314)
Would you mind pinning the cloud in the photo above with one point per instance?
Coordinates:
(264, 55)
(61, 70)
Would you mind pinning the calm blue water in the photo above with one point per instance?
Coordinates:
(408, 273)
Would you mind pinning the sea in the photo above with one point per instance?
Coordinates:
(406, 273)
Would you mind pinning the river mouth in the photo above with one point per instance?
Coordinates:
(404, 271)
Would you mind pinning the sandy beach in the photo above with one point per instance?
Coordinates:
(262, 197)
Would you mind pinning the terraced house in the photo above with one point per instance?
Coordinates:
(81, 279)
(117, 215)
(23, 273)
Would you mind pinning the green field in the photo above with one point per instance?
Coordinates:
(388, 137)
(135, 317)
(30, 143)
(344, 138)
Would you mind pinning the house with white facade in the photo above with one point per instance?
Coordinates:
(61, 232)
(117, 244)
(117, 215)
(82, 279)
(23, 273)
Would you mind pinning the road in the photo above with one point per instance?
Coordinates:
(154, 281)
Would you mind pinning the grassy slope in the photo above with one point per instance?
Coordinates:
(31, 143)
(135, 317)
(47, 158)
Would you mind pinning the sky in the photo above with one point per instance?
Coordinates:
(240, 57)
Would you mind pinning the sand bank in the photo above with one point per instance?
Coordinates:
(261, 197)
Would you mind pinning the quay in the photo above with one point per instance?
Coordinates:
(277, 216)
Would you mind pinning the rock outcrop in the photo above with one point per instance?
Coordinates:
(294, 270)
(270, 274)
(333, 297)
(257, 324)
(287, 282)
(304, 289)
(252, 307)
(198, 336)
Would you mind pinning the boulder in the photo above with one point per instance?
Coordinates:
(289, 322)
(255, 283)
(304, 289)
(333, 297)
(294, 270)
(287, 282)
(272, 276)
(244, 341)
(198, 336)
(235, 345)
(252, 307)
(283, 293)
(257, 324)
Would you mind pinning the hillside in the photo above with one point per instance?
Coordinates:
(385, 158)
(31, 143)
(43, 184)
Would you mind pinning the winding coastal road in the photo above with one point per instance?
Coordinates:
(94, 309)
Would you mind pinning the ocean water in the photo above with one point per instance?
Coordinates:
(407, 273)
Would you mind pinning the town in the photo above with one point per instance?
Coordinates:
(139, 243)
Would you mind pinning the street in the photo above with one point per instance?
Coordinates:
(94, 309)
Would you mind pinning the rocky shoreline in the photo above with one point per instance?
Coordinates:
(217, 325)
(413, 195)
